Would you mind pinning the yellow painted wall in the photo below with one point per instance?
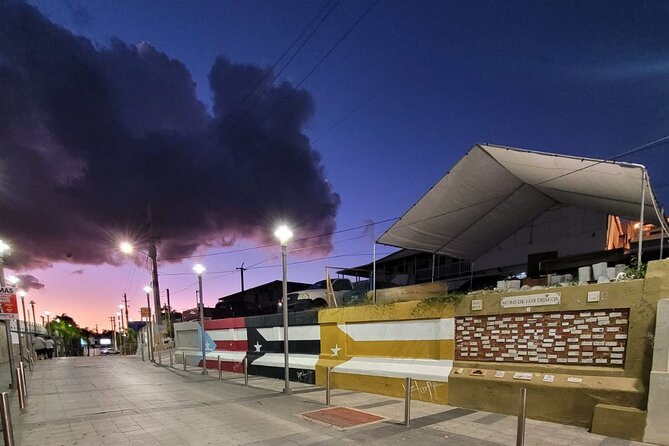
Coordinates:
(333, 337)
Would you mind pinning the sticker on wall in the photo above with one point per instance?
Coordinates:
(499, 374)
(573, 379)
(522, 375)
(477, 305)
(549, 378)
(593, 296)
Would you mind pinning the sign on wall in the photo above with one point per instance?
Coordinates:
(532, 300)
(8, 307)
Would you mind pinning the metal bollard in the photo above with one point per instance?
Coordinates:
(327, 386)
(23, 377)
(7, 428)
(171, 359)
(160, 357)
(522, 413)
(141, 348)
(407, 401)
(184, 359)
(20, 389)
(220, 372)
(246, 371)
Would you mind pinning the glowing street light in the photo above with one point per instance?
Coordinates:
(126, 248)
(199, 269)
(147, 290)
(283, 233)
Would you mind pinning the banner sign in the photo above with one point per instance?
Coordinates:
(8, 308)
(144, 311)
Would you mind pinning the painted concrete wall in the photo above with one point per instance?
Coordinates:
(374, 348)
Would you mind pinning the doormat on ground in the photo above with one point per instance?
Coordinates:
(342, 417)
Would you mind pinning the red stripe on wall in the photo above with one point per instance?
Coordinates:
(232, 346)
(226, 366)
(233, 322)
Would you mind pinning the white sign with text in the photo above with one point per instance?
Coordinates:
(532, 300)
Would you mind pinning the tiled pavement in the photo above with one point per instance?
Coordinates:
(124, 401)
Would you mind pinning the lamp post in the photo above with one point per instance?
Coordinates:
(13, 280)
(48, 320)
(127, 248)
(120, 330)
(4, 249)
(32, 305)
(120, 314)
(199, 269)
(284, 234)
(22, 294)
(149, 332)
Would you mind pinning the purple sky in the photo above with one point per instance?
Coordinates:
(390, 110)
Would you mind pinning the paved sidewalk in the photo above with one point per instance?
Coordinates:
(87, 401)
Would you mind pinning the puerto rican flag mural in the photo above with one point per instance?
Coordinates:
(260, 339)
(265, 342)
(226, 339)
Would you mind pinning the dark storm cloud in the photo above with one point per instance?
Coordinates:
(90, 136)
(29, 282)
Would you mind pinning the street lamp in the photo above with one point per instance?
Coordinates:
(283, 233)
(5, 250)
(32, 305)
(127, 248)
(199, 269)
(120, 329)
(122, 307)
(22, 294)
(147, 290)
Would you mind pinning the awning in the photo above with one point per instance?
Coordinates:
(494, 191)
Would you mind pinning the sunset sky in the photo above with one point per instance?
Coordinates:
(108, 106)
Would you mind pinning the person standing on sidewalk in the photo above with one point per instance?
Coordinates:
(49, 345)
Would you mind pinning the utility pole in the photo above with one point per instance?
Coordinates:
(127, 321)
(242, 269)
(169, 314)
(32, 305)
(112, 321)
(154, 270)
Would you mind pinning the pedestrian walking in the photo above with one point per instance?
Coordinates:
(49, 345)
(39, 346)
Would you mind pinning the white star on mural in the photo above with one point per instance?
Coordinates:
(335, 350)
(257, 346)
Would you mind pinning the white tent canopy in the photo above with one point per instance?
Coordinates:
(494, 191)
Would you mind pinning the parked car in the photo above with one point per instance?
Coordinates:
(316, 295)
(236, 308)
(109, 351)
(360, 289)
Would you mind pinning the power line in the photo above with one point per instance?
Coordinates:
(278, 74)
(318, 64)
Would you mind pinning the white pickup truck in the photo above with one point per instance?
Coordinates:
(317, 295)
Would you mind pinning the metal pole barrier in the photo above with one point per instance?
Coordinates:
(20, 391)
(327, 386)
(160, 357)
(171, 359)
(23, 377)
(246, 371)
(522, 413)
(407, 401)
(7, 428)
(220, 372)
(184, 360)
